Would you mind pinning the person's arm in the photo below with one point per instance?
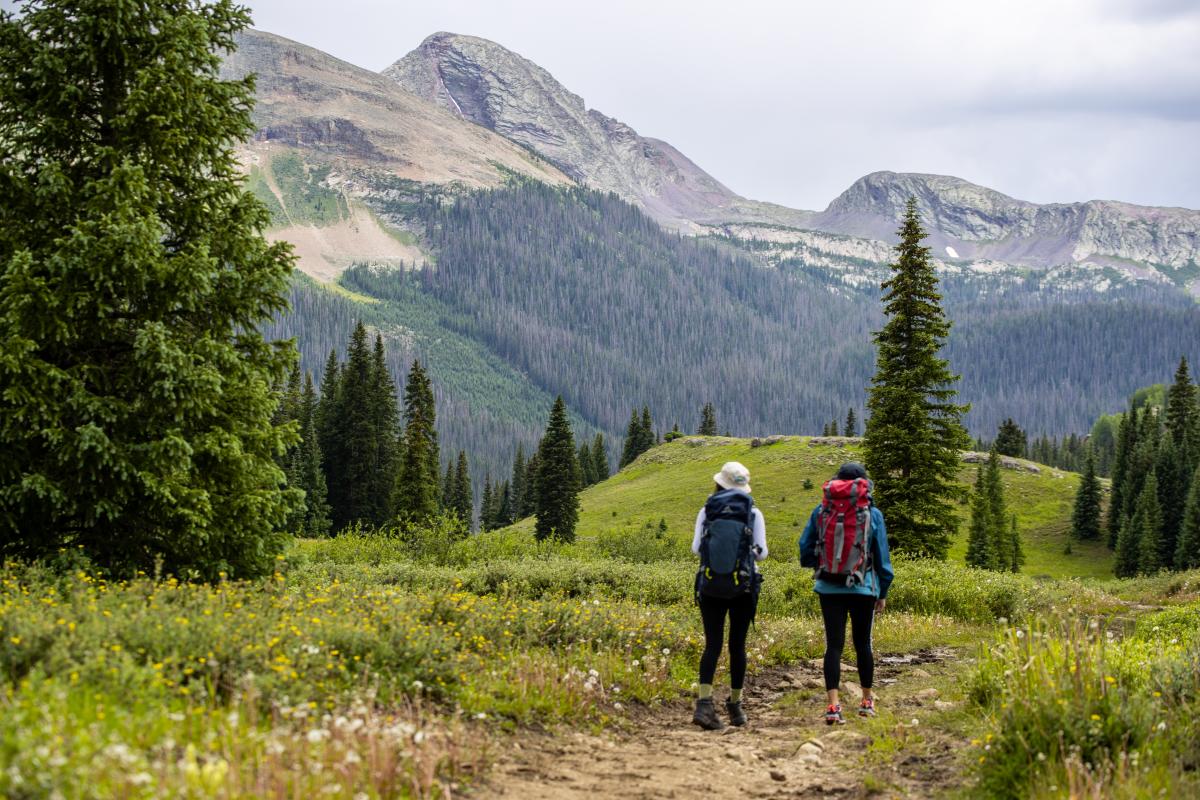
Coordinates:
(700, 519)
(760, 536)
(808, 541)
(883, 559)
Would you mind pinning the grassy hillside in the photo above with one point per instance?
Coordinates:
(669, 483)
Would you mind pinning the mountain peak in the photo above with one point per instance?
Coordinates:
(494, 87)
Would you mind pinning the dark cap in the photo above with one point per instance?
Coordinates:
(851, 470)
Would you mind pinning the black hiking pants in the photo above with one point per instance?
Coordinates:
(861, 610)
(712, 612)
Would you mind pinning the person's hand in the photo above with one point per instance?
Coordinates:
(880, 605)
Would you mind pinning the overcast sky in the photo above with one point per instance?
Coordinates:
(791, 101)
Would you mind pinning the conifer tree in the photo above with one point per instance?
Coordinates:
(529, 502)
(1125, 563)
(447, 490)
(1149, 544)
(1187, 546)
(585, 466)
(1011, 439)
(851, 426)
(384, 418)
(416, 495)
(833, 427)
(1126, 443)
(1085, 519)
(487, 505)
(979, 539)
(914, 432)
(1173, 480)
(135, 387)
(1017, 547)
(1002, 550)
(352, 496)
(504, 512)
(517, 486)
(462, 495)
(558, 479)
(708, 421)
(1182, 413)
(599, 459)
(311, 475)
(647, 437)
(633, 440)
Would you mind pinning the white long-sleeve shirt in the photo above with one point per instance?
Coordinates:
(760, 533)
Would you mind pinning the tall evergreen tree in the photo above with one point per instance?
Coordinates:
(646, 438)
(586, 473)
(352, 496)
(599, 459)
(1182, 413)
(708, 421)
(311, 475)
(979, 539)
(447, 490)
(1085, 519)
(914, 431)
(529, 501)
(1149, 545)
(851, 426)
(487, 505)
(633, 440)
(558, 479)
(416, 495)
(1002, 545)
(1123, 455)
(135, 401)
(385, 422)
(1125, 557)
(1016, 547)
(1173, 481)
(1011, 439)
(517, 485)
(462, 496)
(833, 427)
(1187, 546)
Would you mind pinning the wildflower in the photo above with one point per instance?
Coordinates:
(1095, 717)
(666, 651)
(1162, 726)
(1109, 679)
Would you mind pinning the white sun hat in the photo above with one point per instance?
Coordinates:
(733, 476)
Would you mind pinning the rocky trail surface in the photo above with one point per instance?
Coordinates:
(786, 750)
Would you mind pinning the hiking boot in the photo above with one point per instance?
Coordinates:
(833, 716)
(736, 715)
(867, 707)
(706, 715)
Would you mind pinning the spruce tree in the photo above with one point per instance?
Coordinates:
(1125, 557)
(1149, 543)
(135, 402)
(833, 427)
(979, 539)
(504, 508)
(558, 479)
(646, 438)
(708, 421)
(1085, 519)
(312, 477)
(599, 459)
(1182, 413)
(1002, 551)
(487, 505)
(384, 416)
(462, 495)
(353, 497)
(529, 501)
(1011, 439)
(1016, 547)
(517, 486)
(447, 491)
(416, 495)
(914, 431)
(1187, 546)
(1123, 455)
(585, 466)
(851, 426)
(633, 440)
(1173, 481)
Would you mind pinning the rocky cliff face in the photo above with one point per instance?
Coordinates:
(495, 88)
(973, 222)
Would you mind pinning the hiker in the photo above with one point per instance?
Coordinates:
(845, 542)
(731, 537)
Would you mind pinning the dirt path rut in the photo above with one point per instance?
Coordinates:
(786, 751)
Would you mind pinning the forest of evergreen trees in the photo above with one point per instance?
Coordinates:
(538, 291)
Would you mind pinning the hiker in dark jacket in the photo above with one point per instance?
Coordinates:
(730, 498)
(860, 600)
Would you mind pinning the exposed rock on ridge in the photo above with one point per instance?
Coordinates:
(494, 87)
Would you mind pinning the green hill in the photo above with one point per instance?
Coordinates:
(669, 482)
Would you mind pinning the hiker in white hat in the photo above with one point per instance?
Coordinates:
(730, 538)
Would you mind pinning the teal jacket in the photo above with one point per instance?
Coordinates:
(876, 582)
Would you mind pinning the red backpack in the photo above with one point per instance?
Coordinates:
(844, 532)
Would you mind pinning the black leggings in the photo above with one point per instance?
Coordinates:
(861, 609)
(712, 611)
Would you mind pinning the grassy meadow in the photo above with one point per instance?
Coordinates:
(380, 666)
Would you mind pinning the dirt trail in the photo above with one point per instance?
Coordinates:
(786, 751)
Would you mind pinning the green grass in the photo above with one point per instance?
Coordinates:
(671, 481)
